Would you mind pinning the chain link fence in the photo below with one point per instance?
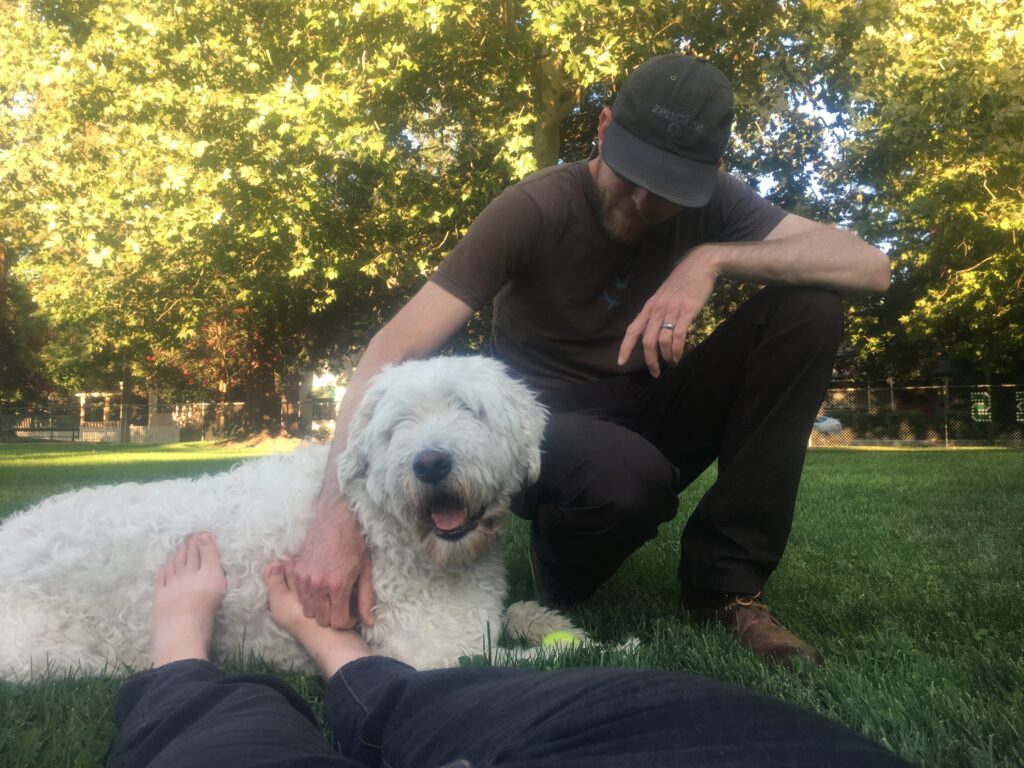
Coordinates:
(927, 415)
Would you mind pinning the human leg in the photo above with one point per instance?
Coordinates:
(184, 711)
(383, 712)
(188, 713)
(603, 492)
(187, 592)
(597, 718)
(747, 396)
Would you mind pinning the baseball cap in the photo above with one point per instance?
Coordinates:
(670, 125)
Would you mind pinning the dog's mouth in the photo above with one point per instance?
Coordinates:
(450, 517)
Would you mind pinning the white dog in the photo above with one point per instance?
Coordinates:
(436, 451)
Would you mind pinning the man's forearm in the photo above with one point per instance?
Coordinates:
(823, 256)
(333, 568)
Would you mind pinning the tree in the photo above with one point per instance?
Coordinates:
(937, 95)
(22, 333)
(165, 185)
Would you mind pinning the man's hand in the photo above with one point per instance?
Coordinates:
(333, 566)
(335, 583)
(677, 303)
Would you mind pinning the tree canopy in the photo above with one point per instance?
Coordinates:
(219, 196)
(936, 149)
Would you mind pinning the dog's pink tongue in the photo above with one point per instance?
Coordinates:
(448, 517)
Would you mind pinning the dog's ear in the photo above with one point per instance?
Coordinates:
(354, 463)
(521, 417)
(535, 432)
(531, 418)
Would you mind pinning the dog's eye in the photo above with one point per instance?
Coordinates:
(403, 423)
(462, 405)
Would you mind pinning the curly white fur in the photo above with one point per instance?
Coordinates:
(76, 570)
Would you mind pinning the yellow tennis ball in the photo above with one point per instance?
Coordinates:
(560, 637)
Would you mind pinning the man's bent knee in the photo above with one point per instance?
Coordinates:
(823, 306)
(630, 497)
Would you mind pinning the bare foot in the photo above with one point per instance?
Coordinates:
(330, 648)
(189, 589)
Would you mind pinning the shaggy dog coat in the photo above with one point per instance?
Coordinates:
(435, 453)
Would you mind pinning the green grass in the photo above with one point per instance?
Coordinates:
(32, 471)
(905, 568)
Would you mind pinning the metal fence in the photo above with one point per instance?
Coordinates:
(170, 423)
(41, 424)
(926, 415)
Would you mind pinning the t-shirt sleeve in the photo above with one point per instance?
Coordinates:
(738, 213)
(499, 244)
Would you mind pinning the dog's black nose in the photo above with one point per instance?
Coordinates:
(432, 466)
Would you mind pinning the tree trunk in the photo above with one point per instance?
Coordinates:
(296, 415)
(126, 387)
(554, 102)
(153, 400)
(3, 276)
(262, 400)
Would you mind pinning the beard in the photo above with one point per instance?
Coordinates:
(621, 221)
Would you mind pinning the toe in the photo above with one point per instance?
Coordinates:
(192, 560)
(290, 579)
(206, 546)
(273, 577)
(179, 561)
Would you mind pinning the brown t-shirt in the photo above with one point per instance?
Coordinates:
(563, 291)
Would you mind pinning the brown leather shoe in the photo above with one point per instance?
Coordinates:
(748, 620)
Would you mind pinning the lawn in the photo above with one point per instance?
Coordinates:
(905, 568)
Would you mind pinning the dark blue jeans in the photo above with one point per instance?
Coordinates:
(383, 713)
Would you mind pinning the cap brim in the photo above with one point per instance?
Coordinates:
(685, 182)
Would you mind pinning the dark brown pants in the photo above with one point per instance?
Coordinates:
(618, 451)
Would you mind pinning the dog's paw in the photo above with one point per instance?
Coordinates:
(629, 645)
(529, 622)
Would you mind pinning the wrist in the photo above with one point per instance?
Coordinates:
(712, 256)
(330, 494)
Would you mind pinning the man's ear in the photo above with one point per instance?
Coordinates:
(602, 126)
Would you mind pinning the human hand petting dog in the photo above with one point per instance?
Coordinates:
(663, 322)
(333, 571)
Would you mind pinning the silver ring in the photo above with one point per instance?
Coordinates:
(668, 326)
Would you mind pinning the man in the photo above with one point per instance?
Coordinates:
(597, 270)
